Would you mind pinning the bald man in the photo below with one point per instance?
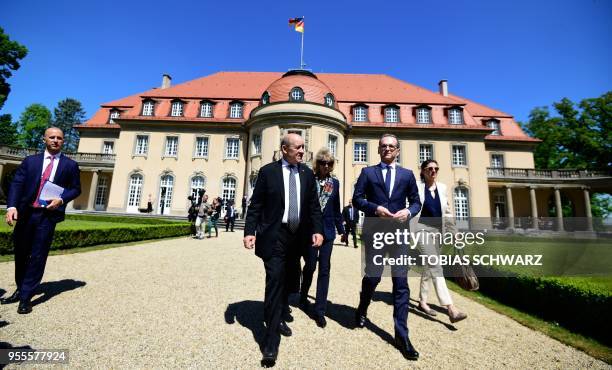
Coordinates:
(36, 218)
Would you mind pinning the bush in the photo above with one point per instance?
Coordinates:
(67, 239)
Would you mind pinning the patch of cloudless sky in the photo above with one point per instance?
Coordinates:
(511, 55)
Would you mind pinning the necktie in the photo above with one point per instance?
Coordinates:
(351, 213)
(45, 176)
(388, 180)
(293, 219)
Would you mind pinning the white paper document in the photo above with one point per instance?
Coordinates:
(50, 191)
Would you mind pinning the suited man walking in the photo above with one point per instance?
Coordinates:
(230, 215)
(381, 193)
(283, 215)
(350, 214)
(36, 221)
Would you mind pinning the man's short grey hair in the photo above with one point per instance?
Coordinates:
(389, 135)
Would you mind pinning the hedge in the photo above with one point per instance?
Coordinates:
(67, 239)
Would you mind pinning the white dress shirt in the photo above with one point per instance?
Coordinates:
(46, 161)
(384, 174)
(296, 174)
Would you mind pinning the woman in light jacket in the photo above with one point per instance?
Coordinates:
(434, 217)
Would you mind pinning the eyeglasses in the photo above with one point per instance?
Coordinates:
(325, 163)
(432, 169)
(389, 146)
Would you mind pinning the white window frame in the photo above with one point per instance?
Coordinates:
(423, 115)
(456, 159)
(114, 114)
(257, 143)
(329, 100)
(169, 185)
(360, 155)
(141, 149)
(496, 126)
(360, 113)
(461, 200)
(194, 190)
(171, 149)
(227, 191)
(296, 94)
(148, 108)
(205, 147)
(101, 193)
(177, 109)
(495, 162)
(455, 116)
(206, 109)
(134, 193)
(391, 115)
(422, 157)
(105, 147)
(236, 110)
(265, 98)
(226, 151)
(332, 144)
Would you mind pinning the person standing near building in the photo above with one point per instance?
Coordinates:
(283, 215)
(214, 217)
(328, 189)
(36, 218)
(244, 206)
(230, 216)
(350, 214)
(382, 192)
(203, 213)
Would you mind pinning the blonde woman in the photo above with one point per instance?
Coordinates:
(328, 190)
(434, 212)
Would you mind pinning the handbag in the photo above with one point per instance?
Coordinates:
(464, 275)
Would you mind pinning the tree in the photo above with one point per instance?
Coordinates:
(8, 130)
(10, 54)
(68, 113)
(33, 122)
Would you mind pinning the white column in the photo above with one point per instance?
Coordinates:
(91, 200)
(534, 207)
(510, 206)
(559, 209)
(587, 208)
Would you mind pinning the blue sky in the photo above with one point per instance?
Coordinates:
(511, 55)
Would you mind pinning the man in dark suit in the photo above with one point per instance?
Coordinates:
(283, 215)
(230, 215)
(381, 193)
(350, 214)
(36, 218)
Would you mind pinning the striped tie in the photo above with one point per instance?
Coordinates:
(293, 217)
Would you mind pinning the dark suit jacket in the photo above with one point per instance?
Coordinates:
(370, 191)
(24, 188)
(267, 206)
(346, 215)
(332, 218)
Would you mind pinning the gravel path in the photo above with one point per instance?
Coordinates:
(198, 303)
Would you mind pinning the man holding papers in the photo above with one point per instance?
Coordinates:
(43, 184)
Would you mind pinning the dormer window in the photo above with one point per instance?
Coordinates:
(423, 115)
(206, 109)
(494, 124)
(360, 113)
(455, 116)
(235, 110)
(329, 100)
(177, 108)
(392, 114)
(296, 94)
(148, 107)
(114, 114)
(265, 98)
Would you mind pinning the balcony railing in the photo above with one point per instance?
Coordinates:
(525, 173)
(9, 152)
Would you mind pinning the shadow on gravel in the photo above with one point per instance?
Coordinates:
(5, 345)
(387, 297)
(52, 288)
(250, 315)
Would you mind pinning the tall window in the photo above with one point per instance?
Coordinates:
(329, 100)
(265, 98)
(332, 144)
(166, 187)
(201, 148)
(134, 192)
(296, 94)
(461, 203)
(497, 160)
(177, 109)
(171, 146)
(101, 193)
(257, 144)
(360, 152)
(236, 110)
(229, 188)
(360, 113)
(425, 152)
(108, 147)
(391, 114)
(197, 184)
(423, 115)
(206, 109)
(494, 124)
(459, 155)
(142, 145)
(232, 145)
(114, 114)
(147, 108)
(500, 205)
(455, 116)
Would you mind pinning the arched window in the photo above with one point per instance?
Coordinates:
(236, 110)
(177, 108)
(360, 113)
(329, 100)
(148, 107)
(206, 109)
(166, 186)
(265, 98)
(228, 190)
(461, 203)
(423, 115)
(134, 193)
(197, 184)
(391, 114)
(455, 116)
(296, 94)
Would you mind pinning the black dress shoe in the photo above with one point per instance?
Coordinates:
(13, 298)
(406, 348)
(25, 307)
(269, 357)
(287, 314)
(284, 329)
(321, 322)
(360, 320)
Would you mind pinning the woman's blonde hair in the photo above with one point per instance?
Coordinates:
(324, 154)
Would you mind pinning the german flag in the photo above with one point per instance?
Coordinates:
(298, 23)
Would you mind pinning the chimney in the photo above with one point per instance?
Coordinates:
(166, 81)
(443, 84)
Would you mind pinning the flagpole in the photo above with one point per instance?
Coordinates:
(302, 48)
